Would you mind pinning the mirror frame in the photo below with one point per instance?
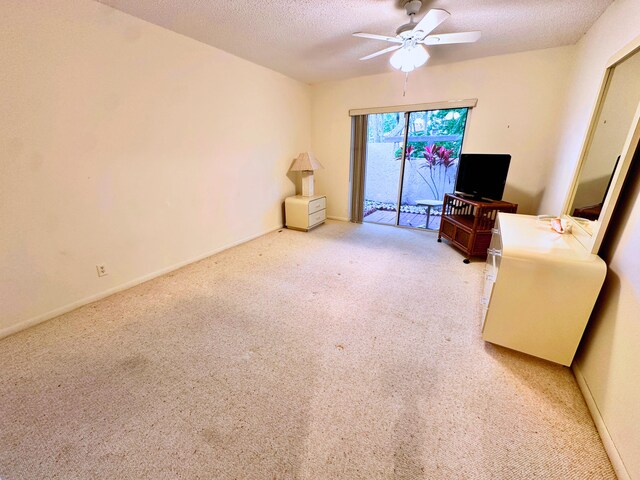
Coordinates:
(592, 241)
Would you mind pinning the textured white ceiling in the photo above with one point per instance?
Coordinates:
(311, 39)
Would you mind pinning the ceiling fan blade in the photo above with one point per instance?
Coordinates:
(431, 20)
(381, 52)
(378, 37)
(462, 37)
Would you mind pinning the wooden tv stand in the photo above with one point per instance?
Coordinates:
(468, 223)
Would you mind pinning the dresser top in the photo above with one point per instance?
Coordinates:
(526, 236)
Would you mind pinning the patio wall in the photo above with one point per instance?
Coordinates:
(383, 172)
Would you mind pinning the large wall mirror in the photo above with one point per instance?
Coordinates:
(609, 148)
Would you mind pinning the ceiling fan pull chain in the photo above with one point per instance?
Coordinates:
(406, 79)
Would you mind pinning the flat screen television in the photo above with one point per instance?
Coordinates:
(482, 176)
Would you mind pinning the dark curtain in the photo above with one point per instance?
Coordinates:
(358, 159)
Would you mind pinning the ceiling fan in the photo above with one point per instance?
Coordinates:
(410, 38)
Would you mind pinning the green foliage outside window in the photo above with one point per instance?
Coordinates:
(435, 123)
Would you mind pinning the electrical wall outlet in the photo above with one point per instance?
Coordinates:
(102, 270)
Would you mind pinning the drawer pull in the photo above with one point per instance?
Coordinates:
(484, 302)
(495, 231)
(490, 277)
(494, 251)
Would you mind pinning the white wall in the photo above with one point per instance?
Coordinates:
(609, 356)
(127, 144)
(520, 97)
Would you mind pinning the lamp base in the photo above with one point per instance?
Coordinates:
(307, 183)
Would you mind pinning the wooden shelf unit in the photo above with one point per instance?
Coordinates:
(468, 223)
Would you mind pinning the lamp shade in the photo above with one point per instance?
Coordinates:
(305, 162)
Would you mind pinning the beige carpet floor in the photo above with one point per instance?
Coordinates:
(351, 352)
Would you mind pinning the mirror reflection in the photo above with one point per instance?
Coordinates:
(614, 121)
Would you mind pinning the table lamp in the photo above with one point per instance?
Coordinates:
(306, 163)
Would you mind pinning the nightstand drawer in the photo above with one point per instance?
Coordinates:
(318, 204)
(317, 217)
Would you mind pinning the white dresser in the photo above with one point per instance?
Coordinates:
(540, 288)
(305, 213)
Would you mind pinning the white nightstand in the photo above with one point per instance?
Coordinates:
(305, 213)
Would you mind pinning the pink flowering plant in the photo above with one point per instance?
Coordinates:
(436, 169)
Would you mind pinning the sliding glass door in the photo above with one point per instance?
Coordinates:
(411, 162)
(385, 137)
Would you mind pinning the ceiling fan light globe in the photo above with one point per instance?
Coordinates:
(407, 67)
(398, 59)
(419, 56)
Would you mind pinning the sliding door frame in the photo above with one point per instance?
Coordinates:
(407, 111)
(401, 180)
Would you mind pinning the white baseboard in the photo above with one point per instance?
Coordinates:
(609, 446)
(5, 332)
(342, 219)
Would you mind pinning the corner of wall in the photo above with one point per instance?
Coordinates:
(610, 447)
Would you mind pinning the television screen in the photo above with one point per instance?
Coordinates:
(482, 175)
